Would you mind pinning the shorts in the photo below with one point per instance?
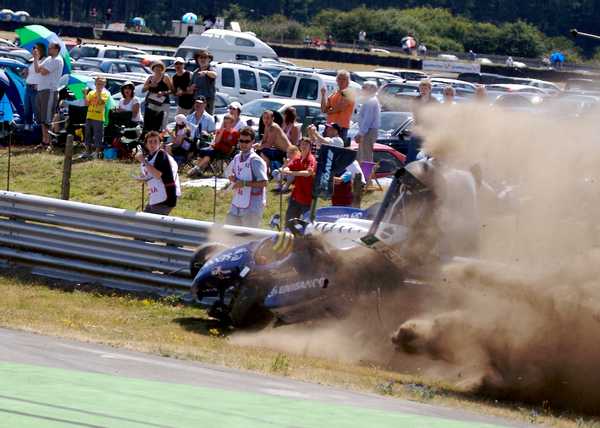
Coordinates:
(295, 210)
(94, 134)
(47, 101)
(274, 155)
(211, 153)
(159, 209)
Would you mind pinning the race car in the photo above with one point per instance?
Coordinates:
(320, 268)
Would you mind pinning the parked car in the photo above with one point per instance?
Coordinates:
(548, 87)
(147, 59)
(389, 159)
(462, 88)
(392, 122)
(397, 95)
(15, 66)
(305, 86)
(484, 78)
(253, 110)
(520, 101)
(582, 85)
(514, 87)
(404, 73)
(111, 66)
(271, 67)
(361, 77)
(243, 82)
(96, 50)
(226, 45)
(21, 55)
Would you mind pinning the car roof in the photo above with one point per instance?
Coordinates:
(121, 76)
(11, 61)
(117, 47)
(288, 101)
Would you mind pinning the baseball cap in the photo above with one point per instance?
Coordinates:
(235, 105)
(180, 118)
(179, 60)
(201, 99)
(335, 126)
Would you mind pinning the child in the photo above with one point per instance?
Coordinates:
(94, 124)
(181, 138)
(284, 181)
(225, 142)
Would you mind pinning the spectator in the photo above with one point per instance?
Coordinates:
(159, 169)
(182, 86)
(274, 144)
(449, 94)
(235, 109)
(422, 49)
(332, 136)
(78, 41)
(368, 122)
(204, 78)
(248, 173)
(158, 86)
(285, 181)
(342, 186)
(472, 56)
(303, 170)
(290, 127)
(408, 43)
(31, 89)
(94, 124)
(425, 96)
(329, 42)
(129, 102)
(226, 141)
(94, 16)
(50, 70)
(180, 146)
(510, 62)
(339, 106)
(203, 124)
(108, 16)
(307, 41)
(480, 93)
(362, 40)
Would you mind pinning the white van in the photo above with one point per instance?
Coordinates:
(226, 45)
(243, 82)
(305, 85)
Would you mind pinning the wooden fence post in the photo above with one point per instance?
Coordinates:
(65, 190)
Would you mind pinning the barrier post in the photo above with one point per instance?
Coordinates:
(8, 165)
(65, 190)
(356, 191)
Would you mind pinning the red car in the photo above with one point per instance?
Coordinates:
(389, 159)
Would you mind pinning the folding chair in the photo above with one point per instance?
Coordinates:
(75, 120)
(152, 120)
(369, 169)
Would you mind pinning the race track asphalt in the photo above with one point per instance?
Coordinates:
(51, 382)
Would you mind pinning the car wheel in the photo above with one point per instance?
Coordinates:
(244, 307)
(202, 254)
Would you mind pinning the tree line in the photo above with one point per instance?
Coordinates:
(521, 28)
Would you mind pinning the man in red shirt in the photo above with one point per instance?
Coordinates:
(303, 169)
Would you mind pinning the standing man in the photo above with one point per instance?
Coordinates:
(204, 78)
(248, 174)
(368, 122)
(50, 70)
(108, 16)
(182, 84)
(339, 106)
(159, 170)
(303, 170)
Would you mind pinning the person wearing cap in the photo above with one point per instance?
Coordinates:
(158, 86)
(96, 101)
(182, 85)
(129, 102)
(248, 175)
(368, 122)
(204, 79)
(181, 140)
(339, 106)
(235, 110)
(303, 170)
(201, 122)
(332, 136)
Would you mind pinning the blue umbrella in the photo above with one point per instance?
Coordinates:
(138, 21)
(557, 57)
(13, 87)
(189, 18)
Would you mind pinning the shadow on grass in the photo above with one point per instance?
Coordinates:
(204, 326)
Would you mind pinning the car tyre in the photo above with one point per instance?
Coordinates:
(202, 254)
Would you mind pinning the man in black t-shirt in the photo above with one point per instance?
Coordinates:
(182, 82)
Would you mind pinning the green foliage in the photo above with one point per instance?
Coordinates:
(277, 27)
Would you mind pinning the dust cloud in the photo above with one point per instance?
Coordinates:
(522, 321)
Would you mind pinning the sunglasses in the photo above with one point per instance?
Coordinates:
(248, 140)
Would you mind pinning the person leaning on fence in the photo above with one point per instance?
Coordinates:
(204, 79)
(159, 86)
(50, 70)
(96, 101)
(248, 174)
(303, 170)
(159, 170)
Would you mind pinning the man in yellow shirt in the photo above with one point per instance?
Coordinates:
(94, 125)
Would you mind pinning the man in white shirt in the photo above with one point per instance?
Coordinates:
(200, 120)
(332, 136)
(50, 70)
(368, 122)
(32, 81)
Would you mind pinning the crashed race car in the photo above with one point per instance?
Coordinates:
(315, 269)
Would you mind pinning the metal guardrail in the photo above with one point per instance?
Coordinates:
(115, 247)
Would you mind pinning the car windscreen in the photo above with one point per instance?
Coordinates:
(83, 51)
(284, 87)
(393, 120)
(308, 89)
(257, 108)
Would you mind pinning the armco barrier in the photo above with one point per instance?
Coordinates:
(114, 247)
